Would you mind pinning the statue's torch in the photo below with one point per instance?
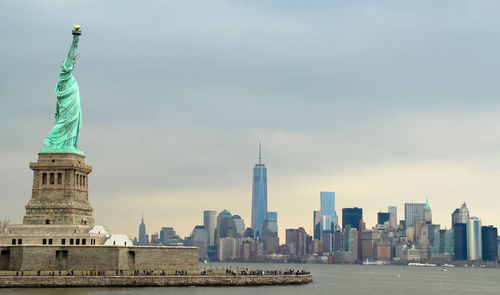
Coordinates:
(76, 30)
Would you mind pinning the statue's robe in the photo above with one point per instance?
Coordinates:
(68, 110)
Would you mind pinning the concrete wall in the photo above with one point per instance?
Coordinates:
(30, 257)
(131, 281)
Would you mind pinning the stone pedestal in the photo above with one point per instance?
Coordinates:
(60, 191)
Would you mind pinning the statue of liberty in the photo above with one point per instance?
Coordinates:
(63, 138)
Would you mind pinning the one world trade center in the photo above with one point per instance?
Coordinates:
(259, 196)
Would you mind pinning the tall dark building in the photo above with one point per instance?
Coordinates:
(489, 236)
(225, 225)
(317, 224)
(351, 216)
(460, 241)
(382, 217)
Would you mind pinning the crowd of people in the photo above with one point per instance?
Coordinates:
(247, 272)
(229, 272)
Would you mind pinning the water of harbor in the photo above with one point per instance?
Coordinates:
(329, 279)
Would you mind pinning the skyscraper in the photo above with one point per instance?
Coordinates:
(413, 212)
(460, 241)
(239, 225)
(199, 238)
(474, 240)
(270, 233)
(383, 217)
(327, 212)
(460, 215)
(143, 237)
(166, 233)
(272, 216)
(225, 225)
(489, 235)
(351, 216)
(317, 224)
(393, 216)
(259, 195)
(210, 223)
(427, 212)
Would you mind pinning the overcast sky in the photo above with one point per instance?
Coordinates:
(383, 102)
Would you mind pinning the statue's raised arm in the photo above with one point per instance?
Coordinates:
(64, 135)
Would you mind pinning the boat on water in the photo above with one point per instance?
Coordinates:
(422, 264)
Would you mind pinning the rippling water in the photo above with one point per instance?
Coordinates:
(332, 279)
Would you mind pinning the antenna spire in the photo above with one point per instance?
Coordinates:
(260, 152)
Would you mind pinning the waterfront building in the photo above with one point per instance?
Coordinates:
(166, 233)
(169, 237)
(369, 239)
(199, 238)
(346, 245)
(317, 224)
(225, 225)
(383, 217)
(226, 249)
(460, 241)
(411, 253)
(239, 225)
(154, 239)
(460, 215)
(383, 251)
(361, 229)
(352, 216)
(210, 223)
(413, 212)
(422, 238)
(270, 238)
(489, 236)
(296, 239)
(250, 250)
(393, 216)
(315, 247)
(327, 212)
(259, 195)
(443, 243)
(327, 241)
(431, 229)
(474, 241)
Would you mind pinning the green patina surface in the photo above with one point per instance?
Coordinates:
(63, 138)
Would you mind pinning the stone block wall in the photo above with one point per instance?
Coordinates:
(29, 257)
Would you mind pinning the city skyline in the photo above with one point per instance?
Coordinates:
(399, 107)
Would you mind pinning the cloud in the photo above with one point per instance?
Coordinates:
(175, 96)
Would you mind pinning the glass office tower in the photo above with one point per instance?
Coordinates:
(327, 212)
(210, 223)
(317, 224)
(414, 212)
(474, 241)
(460, 241)
(489, 235)
(259, 196)
(351, 216)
